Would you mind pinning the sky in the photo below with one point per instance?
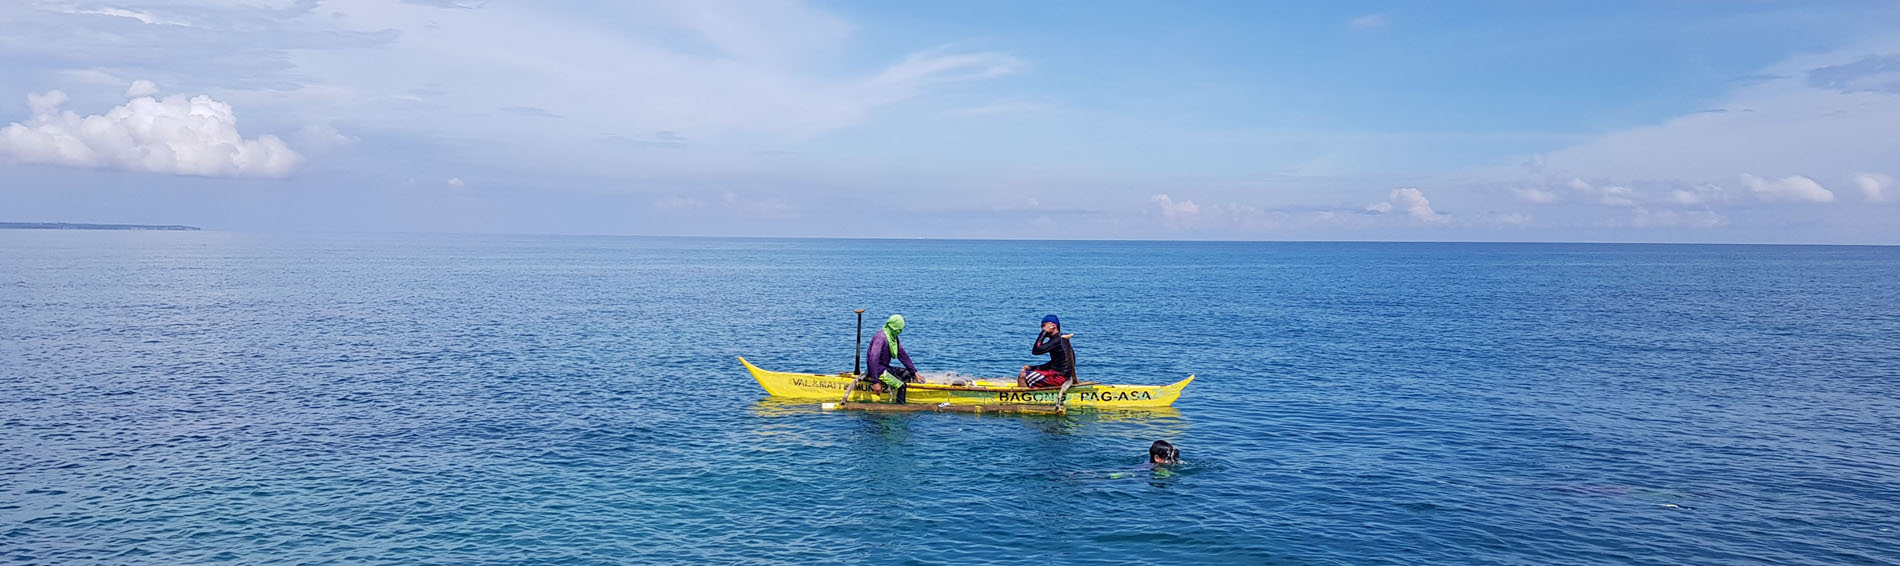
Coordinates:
(1667, 121)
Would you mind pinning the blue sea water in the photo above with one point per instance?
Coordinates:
(205, 397)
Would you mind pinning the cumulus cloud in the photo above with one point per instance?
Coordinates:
(1175, 210)
(1220, 217)
(1699, 194)
(175, 135)
(1652, 193)
(1794, 188)
(1875, 187)
(734, 77)
(141, 88)
(1617, 196)
(1412, 202)
(456, 182)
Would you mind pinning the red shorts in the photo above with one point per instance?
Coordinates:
(1044, 378)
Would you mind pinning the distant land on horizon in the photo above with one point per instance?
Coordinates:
(84, 226)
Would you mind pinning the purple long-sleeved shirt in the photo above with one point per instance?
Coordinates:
(877, 358)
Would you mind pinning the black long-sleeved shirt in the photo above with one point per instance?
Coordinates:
(1061, 355)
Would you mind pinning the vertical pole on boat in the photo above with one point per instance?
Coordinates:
(1062, 397)
(857, 356)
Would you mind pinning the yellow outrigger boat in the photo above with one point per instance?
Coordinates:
(980, 392)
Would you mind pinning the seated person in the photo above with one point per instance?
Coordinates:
(883, 378)
(1061, 365)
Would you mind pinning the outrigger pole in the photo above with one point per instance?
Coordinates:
(946, 408)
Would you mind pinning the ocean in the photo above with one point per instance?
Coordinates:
(213, 397)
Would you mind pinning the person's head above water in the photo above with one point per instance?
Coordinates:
(1163, 453)
(1051, 324)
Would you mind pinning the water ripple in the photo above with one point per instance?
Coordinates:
(207, 397)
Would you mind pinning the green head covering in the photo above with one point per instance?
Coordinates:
(893, 326)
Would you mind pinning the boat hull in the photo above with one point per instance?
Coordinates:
(831, 387)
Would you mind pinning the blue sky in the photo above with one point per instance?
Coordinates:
(1522, 121)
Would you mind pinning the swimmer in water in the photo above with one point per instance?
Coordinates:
(1161, 453)
(1161, 457)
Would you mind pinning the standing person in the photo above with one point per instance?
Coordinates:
(877, 361)
(1061, 365)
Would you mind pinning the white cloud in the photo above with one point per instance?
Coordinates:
(918, 70)
(1368, 22)
(1699, 194)
(1875, 187)
(456, 182)
(322, 136)
(1620, 196)
(176, 135)
(1830, 114)
(733, 77)
(142, 17)
(1793, 188)
(1175, 210)
(1617, 196)
(141, 88)
(1225, 217)
(1411, 201)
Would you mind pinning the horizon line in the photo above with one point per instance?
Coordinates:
(979, 238)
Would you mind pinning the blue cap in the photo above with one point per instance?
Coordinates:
(1052, 318)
